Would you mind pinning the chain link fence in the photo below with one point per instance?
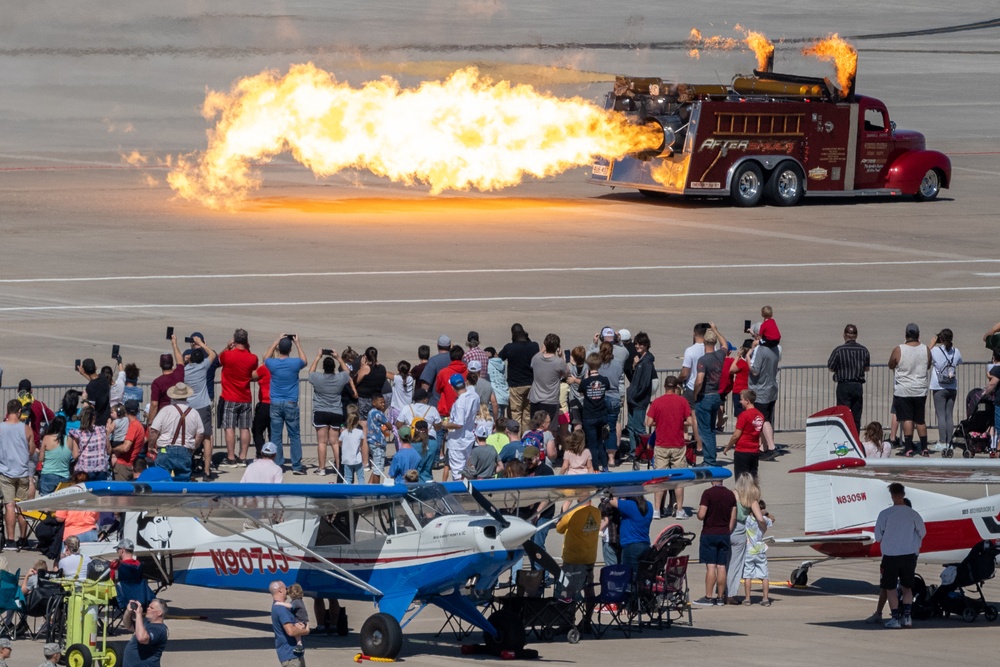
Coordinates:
(803, 390)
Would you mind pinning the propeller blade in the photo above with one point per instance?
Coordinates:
(490, 508)
(537, 554)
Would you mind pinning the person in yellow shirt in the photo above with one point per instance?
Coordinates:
(581, 529)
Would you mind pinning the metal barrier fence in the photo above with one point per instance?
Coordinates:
(803, 390)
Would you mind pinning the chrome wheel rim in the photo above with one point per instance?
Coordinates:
(749, 185)
(788, 184)
(930, 185)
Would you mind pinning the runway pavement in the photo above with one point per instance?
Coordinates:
(92, 255)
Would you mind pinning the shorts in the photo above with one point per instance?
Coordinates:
(13, 488)
(755, 566)
(376, 457)
(909, 408)
(901, 568)
(575, 412)
(206, 419)
(766, 409)
(123, 473)
(669, 457)
(236, 415)
(714, 549)
(328, 419)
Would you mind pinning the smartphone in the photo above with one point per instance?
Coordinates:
(292, 336)
(566, 352)
(115, 349)
(327, 352)
(188, 339)
(170, 333)
(746, 326)
(76, 364)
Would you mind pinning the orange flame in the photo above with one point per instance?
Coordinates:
(843, 55)
(464, 132)
(755, 41)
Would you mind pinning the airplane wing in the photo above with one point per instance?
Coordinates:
(508, 493)
(913, 470)
(219, 500)
(852, 538)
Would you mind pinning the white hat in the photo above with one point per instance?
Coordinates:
(607, 332)
(483, 431)
(475, 366)
(625, 334)
(269, 449)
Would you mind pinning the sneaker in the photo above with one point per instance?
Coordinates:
(320, 471)
(893, 623)
(874, 619)
(938, 446)
(765, 602)
(299, 650)
(9, 544)
(229, 463)
(907, 621)
(241, 463)
(925, 453)
(705, 602)
(664, 514)
(769, 455)
(300, 471)
(682, 514)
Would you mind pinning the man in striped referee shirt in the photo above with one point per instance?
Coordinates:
(849, 363)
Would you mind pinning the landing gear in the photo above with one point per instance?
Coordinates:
(510, 633)
(381, 636)
(800, 576)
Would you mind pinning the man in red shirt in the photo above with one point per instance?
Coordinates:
(238, 365)
(442, 385)
(746, 436)
(135, 440)
(262, 413)
(169, 376)
(738, 371)
(670, 416)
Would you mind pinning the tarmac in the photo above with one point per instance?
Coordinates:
(93, 255)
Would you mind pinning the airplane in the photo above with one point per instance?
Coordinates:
(845, 491)
(441, 544)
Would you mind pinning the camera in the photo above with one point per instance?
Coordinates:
(292, 336)
(188, 339)
(327, 352)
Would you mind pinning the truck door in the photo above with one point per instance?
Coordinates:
(875, 145)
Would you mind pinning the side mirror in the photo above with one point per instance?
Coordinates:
(892, 125)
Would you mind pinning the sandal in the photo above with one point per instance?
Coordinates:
(765, 602)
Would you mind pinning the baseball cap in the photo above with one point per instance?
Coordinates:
(473, 337)
(269, 449)
(198, 334)
(513, 425)
(625, 334)
(457, 381)
(475, 366)
(444, 340)
(131, 407)
(126, 544)
(530, 452)
(51, 649)
(483, 431)
(912, 330)
(607, 332)
(404, 433)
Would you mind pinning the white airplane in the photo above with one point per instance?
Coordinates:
(845, 491)
(392, 545)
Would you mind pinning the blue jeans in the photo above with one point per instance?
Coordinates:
(286, 414)
(614, 404)
(631, 554)
(705, 412)
(636, 425)
(427, 460)
(597, 447)
(354, 471)
(610, 553)
(47, 483)
(176, 460)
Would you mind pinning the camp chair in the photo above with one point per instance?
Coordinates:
(612, 600)
(11, 602)
(131, 585)
(45, 601)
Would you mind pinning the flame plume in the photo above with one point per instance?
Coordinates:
(762, 47)
(843, 55)
(754, 41)
(464, 132)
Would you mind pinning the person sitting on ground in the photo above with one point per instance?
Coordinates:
(264, 470)
(872, 441)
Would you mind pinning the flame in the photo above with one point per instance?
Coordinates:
(464, 132)
(754, 41)
(843, 55)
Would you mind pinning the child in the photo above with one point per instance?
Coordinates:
(769, 333)
(402, 388)
(353, 448)
(298, 608)
(120, 425)
(871, 440)
(576, 459)
(379, 434)
(755, 565)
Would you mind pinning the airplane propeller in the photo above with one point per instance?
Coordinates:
(537, 554)
(490, 508)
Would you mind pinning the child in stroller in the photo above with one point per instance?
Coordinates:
(975, 434)
(661, 581)
(949, 598)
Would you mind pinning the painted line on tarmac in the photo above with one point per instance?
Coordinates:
(491, 299)
(553, 269)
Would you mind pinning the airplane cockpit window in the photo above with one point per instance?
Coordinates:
(430, 501)
(380, 521)
(334, 529)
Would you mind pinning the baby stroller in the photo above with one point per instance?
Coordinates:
(972, 435)
(949, 598)
(661, 590)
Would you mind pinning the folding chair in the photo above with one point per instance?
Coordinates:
(613, 600)
(11, 603)
(46, 601)
(130, 585)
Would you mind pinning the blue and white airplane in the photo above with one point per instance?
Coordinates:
(439, 544)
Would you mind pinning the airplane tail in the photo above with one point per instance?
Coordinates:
(836, 502)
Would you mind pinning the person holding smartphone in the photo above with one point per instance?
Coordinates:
(150, 633)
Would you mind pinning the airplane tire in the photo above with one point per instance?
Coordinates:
(79, 655)
(800, 576)
(381, 636)
(510, 633)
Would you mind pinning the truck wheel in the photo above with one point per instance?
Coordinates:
(930, 186)
(748, 185)
(786, 186)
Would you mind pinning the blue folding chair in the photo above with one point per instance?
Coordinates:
(11, 603)
(613, 600)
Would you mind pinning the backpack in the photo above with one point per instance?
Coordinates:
(535, 438)
(947, 374)
(419, 418)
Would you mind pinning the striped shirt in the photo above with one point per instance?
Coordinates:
(849, 362)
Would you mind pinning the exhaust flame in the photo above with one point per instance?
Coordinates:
(843, 55)
(754, 41)
(464, 132)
